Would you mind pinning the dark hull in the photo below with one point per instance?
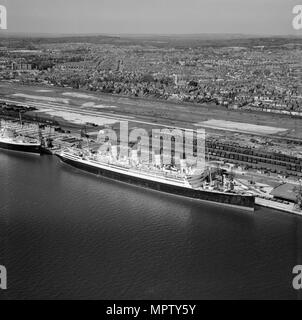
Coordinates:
(247, 202)
(20, 148)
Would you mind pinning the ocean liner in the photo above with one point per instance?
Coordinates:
(11, 141)
(167, 179)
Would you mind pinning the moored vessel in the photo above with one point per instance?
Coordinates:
(9, 140)
(163, 179)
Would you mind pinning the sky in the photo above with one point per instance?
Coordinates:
(267, 17)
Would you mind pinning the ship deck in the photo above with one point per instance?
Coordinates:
(155, 176)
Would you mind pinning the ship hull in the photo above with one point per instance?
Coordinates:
(232, 200)
(21, 147)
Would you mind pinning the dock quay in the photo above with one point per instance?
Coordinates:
(58, 138)
(288, 208)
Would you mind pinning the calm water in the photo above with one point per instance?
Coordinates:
(67, 234)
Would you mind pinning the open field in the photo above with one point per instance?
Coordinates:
(147, 111)
(240, 127)
(40, 98)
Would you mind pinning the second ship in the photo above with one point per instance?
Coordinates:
(9, 140)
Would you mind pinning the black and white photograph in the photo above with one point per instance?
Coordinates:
(151, 153)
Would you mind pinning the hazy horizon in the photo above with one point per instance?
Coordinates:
(156, 17)
(59, 34)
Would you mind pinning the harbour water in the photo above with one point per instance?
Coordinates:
(70, 235)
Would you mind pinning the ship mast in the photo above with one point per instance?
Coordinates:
(20, 117)
(210, 175)
(85, 135)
